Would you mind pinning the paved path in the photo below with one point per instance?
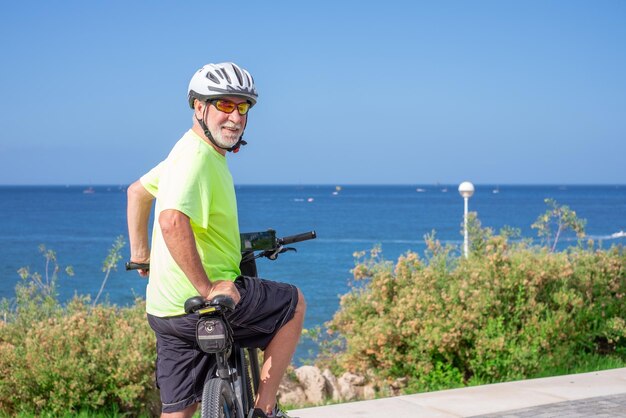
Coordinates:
(602, 406)
(597, 394)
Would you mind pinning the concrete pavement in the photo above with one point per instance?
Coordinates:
(600, 394)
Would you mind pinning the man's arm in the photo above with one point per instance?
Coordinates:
(181, 243)
(137, 215)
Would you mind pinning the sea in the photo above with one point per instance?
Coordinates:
(81, 223)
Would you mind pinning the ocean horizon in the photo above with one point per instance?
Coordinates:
(430, 184)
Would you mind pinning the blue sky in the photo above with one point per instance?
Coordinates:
(351, 92)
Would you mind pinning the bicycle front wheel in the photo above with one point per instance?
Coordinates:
(246, 380)
(218, 400)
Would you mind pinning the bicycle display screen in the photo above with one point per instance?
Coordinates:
(258, 241)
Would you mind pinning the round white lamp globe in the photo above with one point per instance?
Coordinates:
(466, 189)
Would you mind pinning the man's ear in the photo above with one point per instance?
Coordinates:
(198, 107)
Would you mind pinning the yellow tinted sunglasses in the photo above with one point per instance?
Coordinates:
(227, 106)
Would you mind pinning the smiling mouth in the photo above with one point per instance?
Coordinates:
(233, 129)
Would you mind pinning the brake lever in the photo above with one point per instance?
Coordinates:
(273, 253)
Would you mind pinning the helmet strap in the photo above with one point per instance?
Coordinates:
(234, 149)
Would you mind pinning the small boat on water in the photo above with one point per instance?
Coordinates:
(89, 190)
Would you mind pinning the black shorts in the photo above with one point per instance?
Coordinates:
(181, 368)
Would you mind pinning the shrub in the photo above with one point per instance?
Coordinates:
(556, 220)
(508, 312)
(56, 359)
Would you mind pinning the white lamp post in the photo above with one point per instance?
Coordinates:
(466, 189)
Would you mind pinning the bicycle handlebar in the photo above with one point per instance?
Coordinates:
(297, 238)
(291, 239)
(137, 266)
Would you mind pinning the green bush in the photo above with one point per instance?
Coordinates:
(57, 360)
(510, 311)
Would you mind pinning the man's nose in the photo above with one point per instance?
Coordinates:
(236, 117)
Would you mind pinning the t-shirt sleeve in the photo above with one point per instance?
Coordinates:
(150, 180)
(183, 185)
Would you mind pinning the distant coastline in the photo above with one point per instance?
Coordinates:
(332, 185)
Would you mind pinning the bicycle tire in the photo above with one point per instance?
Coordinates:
(246, 380)
(217, 400)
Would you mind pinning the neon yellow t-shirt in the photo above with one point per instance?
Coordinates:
(194, 179)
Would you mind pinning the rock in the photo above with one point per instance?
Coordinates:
(332, 386)
(353, 379)
(400, 383)
(354, 387)
(314, 384)
(347, 389)
(315, 387)
(368, 392)
(290, 392)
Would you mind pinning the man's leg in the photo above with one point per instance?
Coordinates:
(278, 356)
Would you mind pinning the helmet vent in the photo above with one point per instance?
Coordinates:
(225, 75)
(212, 77)
(238, 74)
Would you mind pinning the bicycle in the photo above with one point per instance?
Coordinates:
(231, 392)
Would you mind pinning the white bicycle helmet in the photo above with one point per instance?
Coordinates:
(219, 80)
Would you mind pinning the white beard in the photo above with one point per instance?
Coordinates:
(228, 140)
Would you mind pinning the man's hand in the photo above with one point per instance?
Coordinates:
(224, 287)
(141, 260)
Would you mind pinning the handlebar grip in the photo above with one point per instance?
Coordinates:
(137, 266)
(297, 238)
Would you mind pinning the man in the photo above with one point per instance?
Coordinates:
(196, 249)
